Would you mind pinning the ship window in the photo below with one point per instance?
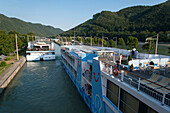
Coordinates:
(150, 110)
(71, 69)
(53, 53)
(143, 108)
(112, 92)
(91, 68)
(75, 73)
(128, 103)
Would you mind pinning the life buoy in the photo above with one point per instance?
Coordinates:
(115, 72)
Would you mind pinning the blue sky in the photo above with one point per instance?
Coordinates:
(64, 14)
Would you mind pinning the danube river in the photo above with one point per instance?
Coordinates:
(42, 87)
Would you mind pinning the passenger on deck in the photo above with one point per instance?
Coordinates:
(118, 64)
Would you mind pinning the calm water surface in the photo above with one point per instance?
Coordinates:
(42, 87)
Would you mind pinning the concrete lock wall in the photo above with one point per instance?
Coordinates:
(10, 73)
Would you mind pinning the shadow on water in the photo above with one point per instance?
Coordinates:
(42, 87)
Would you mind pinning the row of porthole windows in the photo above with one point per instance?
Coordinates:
(127, 103)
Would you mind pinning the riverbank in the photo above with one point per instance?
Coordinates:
(7, 76)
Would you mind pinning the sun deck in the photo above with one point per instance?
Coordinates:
(156, 92)
(133, 79)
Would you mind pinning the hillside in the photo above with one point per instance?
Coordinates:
(138, 21)
(14, 24)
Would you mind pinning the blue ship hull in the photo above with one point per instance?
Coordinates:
(86, 98)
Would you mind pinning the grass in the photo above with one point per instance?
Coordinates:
(12, 59)
(3, 68)
(163, 50)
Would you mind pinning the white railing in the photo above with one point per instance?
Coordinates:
(134, 81)
(71, 62)
(162, 97)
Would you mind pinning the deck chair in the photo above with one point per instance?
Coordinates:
(153, 78)
(142, 69)
(161, 90)
(145, 64)
(163, 82)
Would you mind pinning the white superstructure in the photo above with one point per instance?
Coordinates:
(108, 84)
(40, 51)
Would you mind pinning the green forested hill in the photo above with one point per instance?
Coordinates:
(14, 24)
(138, 21)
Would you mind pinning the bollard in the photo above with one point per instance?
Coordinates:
(139, 84)
(122, 75)
(163, 98)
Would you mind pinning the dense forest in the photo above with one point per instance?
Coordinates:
(8, 41)
(137, 21)
(9, 24)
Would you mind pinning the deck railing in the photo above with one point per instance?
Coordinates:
(40, 49)
(71, 61)
(134, 81)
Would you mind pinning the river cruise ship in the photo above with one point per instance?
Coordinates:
(108, 84)
(40, 51)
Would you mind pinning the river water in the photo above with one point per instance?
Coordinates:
(42, 87)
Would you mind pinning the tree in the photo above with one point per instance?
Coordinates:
(68, 39)
(100, 41)
(3, 63)
(132, 42)
(104, 42)
(95, 40)
(87, 40)
(149, 45)
(82, 39)
(8, 42)
(129, 58)
(121, 42)
(111, 43)
(31, 34)
(13, 32)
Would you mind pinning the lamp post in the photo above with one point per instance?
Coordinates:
(156, 44)
(150, 38)
(103, 38)
(116, 42)
(16, 46)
